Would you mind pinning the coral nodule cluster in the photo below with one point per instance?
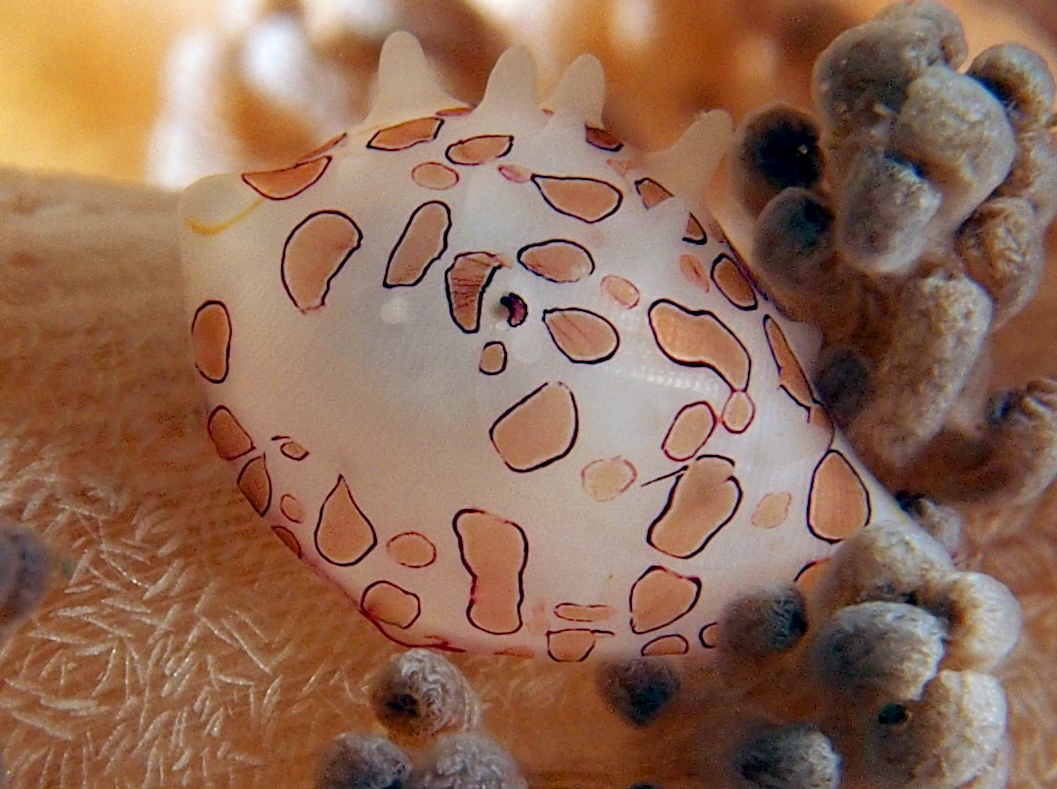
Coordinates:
(907, 223)
(426, 706)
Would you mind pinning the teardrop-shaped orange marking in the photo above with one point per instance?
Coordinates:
(405, 135)
(288, 182)
(256, 484)
(495, 552)
(343, 533)
(211, 341)
(586, 199)
(700, 339)
(733, 283)
(702, 501)
(229, 437)
(479, 150)
(583, 336)
(422, 242)
(386, 602)
(838, 504)
(313, 255)
(537, 430)
(689, 431)
(660, 597)
(557, 260)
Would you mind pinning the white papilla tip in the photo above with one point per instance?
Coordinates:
(407, 84)
(581, 90)
(688, 166)
(512, 83)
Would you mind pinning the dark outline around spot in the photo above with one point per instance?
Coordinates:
(601, 138)
(227, 345)
(638, 190)
(693, 221)
(752, 416)
(376, 618)
(536, 178)
(671, 498)
(811, 493)
(701, 635)
(658, 568)
(305, 163)
(768, 320)
(436, 131)
(337, 269)
(209, 425)
(683, 639)
(697, 313)
(509, 147)
(675, 419)
(550, 242)
(289, 453)
(474, 577)
(267, 476)
(599, 360)
(712, 273)
(319, 524)
(518, 404)
(428, 541)
(505, 356)
(403, 235)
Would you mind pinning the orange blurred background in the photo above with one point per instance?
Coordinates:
(79, 79)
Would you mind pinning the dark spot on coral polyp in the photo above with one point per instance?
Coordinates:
(402, 705)
(516, 308)
(893, 715)
(842, 383)
(787, 153)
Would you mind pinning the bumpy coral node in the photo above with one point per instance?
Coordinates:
(920, 234)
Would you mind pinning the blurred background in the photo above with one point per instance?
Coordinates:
(82, 82)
